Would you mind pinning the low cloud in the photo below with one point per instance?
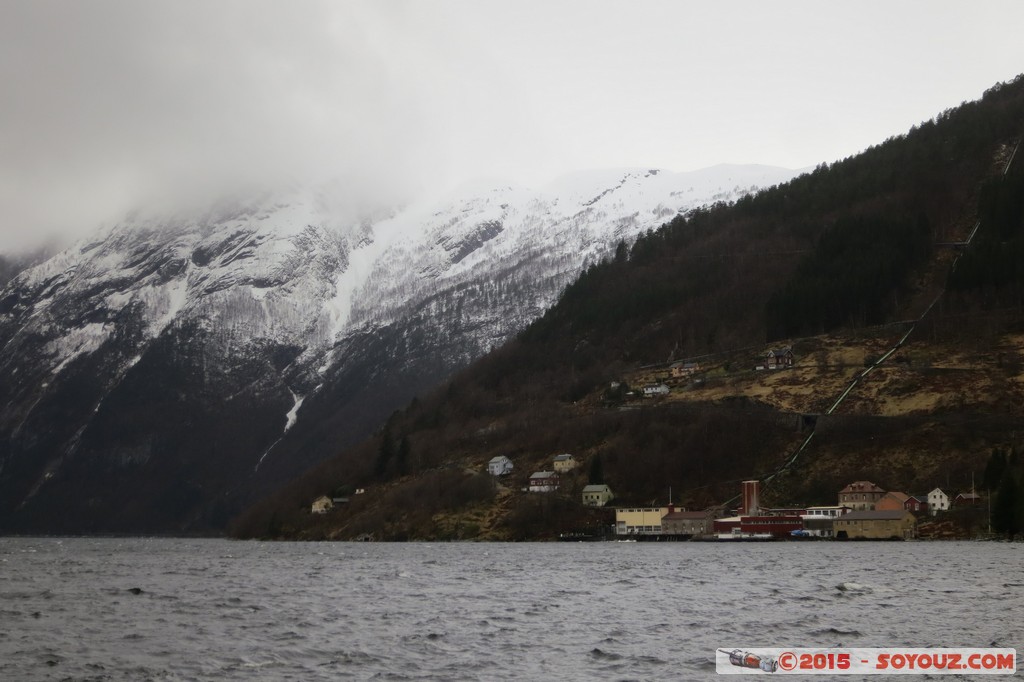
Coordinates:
(108, 103)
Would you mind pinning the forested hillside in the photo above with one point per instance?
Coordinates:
(852, 250)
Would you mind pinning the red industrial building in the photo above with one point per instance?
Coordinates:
(776, 526)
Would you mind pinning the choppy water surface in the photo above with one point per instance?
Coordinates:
(167, 609)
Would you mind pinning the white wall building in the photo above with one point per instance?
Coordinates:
(937, 501)
(499, 466)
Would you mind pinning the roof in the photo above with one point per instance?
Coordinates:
(875, 515)
(498, 459)
(685, 516)
(862, 487)
(970, 496)
(563, 458)
(597, 488)
(902, 497)
(543, 474)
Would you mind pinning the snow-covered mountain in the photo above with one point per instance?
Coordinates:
(157, 375)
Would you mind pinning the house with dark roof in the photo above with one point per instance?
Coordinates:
(778, 358)
(970, 499)
(564, 462)
(543, 482)
(918, 504)
(860, 495)
(689, 523)
(680, 370)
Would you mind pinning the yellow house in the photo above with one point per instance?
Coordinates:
(875, 525)
(322, 505)
(597, 495)
(639, 520)
(564, 463)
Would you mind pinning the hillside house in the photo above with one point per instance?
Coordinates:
(543, 482)
(876, 525)
(656, 390)
(937, 501)
(639, 520)
(860, 496)
(892, 501)
(682, 370)
(970, 499)
(499, 466)
(778, 358)
(322, 505)
(597, 495)
(917, 504)
(564, 463)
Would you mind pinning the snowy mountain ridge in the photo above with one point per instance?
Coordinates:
(266, 302)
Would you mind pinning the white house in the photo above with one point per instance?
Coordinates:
(937, 501)
(543, 482)
(653, 390)
(499, 466)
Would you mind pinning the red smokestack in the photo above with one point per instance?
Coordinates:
(751, 498)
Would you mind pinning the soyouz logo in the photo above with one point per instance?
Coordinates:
(888, 661)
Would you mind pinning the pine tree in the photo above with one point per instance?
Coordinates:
(596, 476)
(994, 470)
(384, 453)
(402, 458)
(1006, 510)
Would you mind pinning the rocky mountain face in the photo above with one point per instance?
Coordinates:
(158, 376)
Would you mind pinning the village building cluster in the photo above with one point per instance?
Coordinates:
(863, 511)
(549, 481)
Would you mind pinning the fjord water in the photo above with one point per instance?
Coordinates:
(183, 609)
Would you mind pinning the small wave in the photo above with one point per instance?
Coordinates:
(356, 658)
(837, 631)
(602, 655)
(853, 588)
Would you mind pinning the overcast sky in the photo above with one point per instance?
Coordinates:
(106, 104)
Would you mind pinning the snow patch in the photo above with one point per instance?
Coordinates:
(77, 342)
(292, 415)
